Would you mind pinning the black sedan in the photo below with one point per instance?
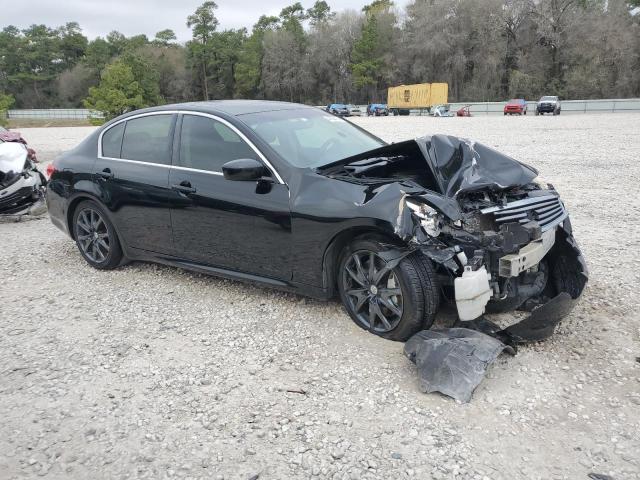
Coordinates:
(298, 199)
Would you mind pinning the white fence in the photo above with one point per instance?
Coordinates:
(568, 106)
(55, 113)
(477, 108)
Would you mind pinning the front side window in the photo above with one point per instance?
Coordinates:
(207, 144)
(148, 139)
(112, 141)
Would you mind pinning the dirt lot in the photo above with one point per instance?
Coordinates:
(153, 372)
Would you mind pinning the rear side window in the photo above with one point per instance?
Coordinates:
(112, 141)
(206, 144)
(148, 139)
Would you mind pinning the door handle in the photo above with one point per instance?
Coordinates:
(184, 187)
(105, 174)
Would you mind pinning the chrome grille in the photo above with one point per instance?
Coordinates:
(547, 210)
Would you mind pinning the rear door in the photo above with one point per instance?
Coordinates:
(243, 226)
(132, 174)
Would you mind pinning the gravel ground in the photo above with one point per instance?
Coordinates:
(154, 372)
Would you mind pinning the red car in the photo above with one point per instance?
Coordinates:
(516, 106)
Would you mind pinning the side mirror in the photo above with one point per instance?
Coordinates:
(244, 169)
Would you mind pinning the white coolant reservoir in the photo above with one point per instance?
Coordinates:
(472, 293)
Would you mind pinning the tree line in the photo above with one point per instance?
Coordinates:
(486, 50)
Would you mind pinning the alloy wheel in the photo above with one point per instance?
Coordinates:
(93, 235)
(372, 291)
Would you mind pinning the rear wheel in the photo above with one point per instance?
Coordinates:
(393, 302)
(95, 236)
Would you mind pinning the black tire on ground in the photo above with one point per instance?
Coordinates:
(101, 247)
(415, 277)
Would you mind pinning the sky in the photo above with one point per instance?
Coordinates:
(132, 17)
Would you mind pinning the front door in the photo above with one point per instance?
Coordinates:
(132, 174)
(243, 226)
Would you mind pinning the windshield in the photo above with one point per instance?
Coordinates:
(550, 99)
(309, 137)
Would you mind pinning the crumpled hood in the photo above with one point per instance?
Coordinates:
(458, 165)
(462, 165)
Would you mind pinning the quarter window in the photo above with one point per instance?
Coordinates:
(148, 139)
(112, 141)
(206, 144)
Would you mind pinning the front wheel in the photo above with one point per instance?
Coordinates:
(391, 301)
(96, 237)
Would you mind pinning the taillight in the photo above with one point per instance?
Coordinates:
(51, 169)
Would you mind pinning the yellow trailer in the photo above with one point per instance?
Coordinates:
(421, 95)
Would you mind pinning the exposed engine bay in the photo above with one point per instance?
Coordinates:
(500, 238)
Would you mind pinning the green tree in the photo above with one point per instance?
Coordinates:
(373, 52)
(118, 92)
(117, 42)
(248, 71)
(378, 6)
(98, 54)
(366, 64)
(203, 23)
(319, 13)
(146, 75)
(6, 101)
(165, 38)
(291, 20)
(73, 44)
(225, 47)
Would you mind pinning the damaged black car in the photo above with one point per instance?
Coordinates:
(294, 198)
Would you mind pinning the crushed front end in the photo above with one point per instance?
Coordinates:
(507, 246)
(500, 238)
(509, 250)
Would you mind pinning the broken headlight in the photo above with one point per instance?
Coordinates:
(430, 218)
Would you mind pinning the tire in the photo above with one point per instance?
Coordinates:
(96, 237)
(414, 278)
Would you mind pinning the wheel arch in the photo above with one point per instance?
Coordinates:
(73, 204)
(337, 245)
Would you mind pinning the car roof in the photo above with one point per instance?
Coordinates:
(228, 107)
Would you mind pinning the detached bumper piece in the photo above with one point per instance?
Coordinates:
(453, 361)
(542, 321)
